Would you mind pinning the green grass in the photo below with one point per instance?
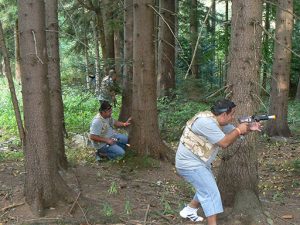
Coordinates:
(8, 123)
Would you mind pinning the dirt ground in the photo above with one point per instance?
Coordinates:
(128, 193)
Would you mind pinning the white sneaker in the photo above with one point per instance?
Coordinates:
(191, 214)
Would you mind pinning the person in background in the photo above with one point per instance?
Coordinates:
(109, 88)
(104, 138)
(200, 142)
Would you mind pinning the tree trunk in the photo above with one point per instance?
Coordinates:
(107, 8)
(117, 44)
(126, 107)
(280, 83)
(99, 23)
(97, 58)
(145, 137)
(9, 77)
(298, 90)
(226, 41)
(266, 51)
(57, 108)
(238, 175)
(17, 53)
(43, 184)
(166, 48)
(193, 37)
(101, 35)
(213, 38)
(89, 84)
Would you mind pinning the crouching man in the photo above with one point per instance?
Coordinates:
(104, 138)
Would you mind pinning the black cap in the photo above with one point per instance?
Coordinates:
(105, 106)
(221, 106)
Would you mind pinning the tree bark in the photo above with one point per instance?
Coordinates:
(107, 8)
(126, 107)
(99, 23)
(280, 83)
(166, 48)
(238, 175)
(193, 38)
(57, 109)
(226, 41)
(266, 51)
(145, 137)
(213, 37)
(17, 53)
(117, 44)
(9, 77)
(43, 184)
(97, 58)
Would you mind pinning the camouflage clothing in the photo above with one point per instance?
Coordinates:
(107, 90)
(197, 144)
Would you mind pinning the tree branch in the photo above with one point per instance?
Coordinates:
(11, 85)
(274, 38)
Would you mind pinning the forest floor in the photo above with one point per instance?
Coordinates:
(149, 191)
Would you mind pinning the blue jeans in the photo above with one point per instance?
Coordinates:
(116, 150)
(207, 192)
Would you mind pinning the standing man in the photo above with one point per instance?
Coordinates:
(104, 138)
(200, 142)
(109, 88)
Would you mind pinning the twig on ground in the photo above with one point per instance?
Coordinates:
(72, 207)
(278, 217)
(3, 214)
(42, 219)
(84, 214)
(146, 214)
(11, 206)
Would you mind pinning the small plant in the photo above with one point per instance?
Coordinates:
(107, 210)
(278, 196)
(295, 183)
(167, 208)
(296, 165)
(166, 205)
(113, 189)
(127, 208)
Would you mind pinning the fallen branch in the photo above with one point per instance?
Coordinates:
(146, 214)
(12, 206)
(84, 214)
(72, 207)
(218, 91)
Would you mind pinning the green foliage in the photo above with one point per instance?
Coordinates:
(107, 210)
(278, 196)
(11, 156)
(293, 116)
(8, 15)
(296, 166)
(174, 113)
(80, 106)
(127, 207)
(113, 189)
(7, 118)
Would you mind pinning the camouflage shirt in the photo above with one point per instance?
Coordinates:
(107, 90)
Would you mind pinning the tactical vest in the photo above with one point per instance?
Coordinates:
(198, 144)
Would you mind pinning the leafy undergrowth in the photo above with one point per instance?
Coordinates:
(146, 191)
